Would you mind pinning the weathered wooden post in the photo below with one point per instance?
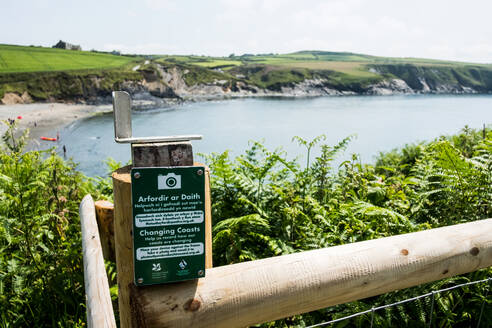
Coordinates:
(105, 222)
(167, 215)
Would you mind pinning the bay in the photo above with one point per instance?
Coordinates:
(379, 123)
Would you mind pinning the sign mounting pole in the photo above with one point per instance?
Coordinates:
(162, 211)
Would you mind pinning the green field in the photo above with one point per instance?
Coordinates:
(350, 68)
(15, 59)
(340, 57)
(215, 63)
(208, 62)
(19, 59)
(347, 63)
(343, 62)
(310, 56)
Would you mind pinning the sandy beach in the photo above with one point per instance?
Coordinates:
(46, 119)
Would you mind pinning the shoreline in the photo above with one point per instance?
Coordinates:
(47, 119)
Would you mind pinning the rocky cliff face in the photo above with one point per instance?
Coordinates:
(439, 79)
(395, 79)
(158, 85)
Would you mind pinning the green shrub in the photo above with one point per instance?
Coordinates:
(41, 270)
(265, 205)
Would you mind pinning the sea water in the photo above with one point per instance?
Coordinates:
(378, 123)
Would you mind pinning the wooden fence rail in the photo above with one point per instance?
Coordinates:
(99, 306)
(254, 292)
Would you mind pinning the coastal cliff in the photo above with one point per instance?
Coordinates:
(161, 83)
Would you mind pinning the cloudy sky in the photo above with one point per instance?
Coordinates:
(443, 29)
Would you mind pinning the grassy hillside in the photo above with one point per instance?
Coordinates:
(14, 59)
(58, 74)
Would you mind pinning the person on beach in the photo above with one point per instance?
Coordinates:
(64, 152)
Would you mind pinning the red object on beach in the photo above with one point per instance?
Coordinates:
(48, 139)
(19, 117)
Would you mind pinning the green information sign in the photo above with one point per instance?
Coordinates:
(168, 224)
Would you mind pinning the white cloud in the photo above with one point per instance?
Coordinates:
(477, 52)
(161, 4)
(448, 29)
(316, 44)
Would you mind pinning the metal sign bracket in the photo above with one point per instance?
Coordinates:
(123, 124)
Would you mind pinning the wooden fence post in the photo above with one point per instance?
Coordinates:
(99, 306)
(105, 222)
(146, 155)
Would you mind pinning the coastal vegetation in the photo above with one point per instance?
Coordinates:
(41, 270)
(264, 204)
(73, 85)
